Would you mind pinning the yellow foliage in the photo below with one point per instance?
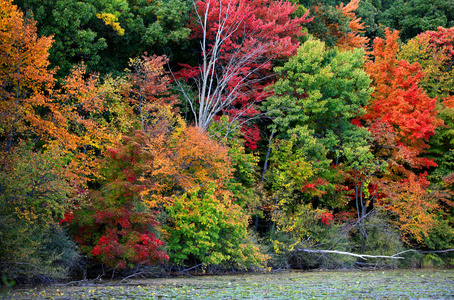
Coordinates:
(111, 20)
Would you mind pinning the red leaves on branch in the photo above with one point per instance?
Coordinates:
(68, 217)
(109, 227)
(442, 39)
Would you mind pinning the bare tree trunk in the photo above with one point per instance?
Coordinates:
(265, 166)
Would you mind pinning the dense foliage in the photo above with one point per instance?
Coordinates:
(268, 128)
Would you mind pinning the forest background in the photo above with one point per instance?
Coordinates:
(224, 135)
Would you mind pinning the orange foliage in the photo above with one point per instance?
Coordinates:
(31, 107)
(80, 130)
(182, 158)
(413, 206)
(352, 39)
(148, 83)
(24, 76)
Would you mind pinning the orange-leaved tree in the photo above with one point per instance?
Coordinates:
(147, 83)
(401, 118)
(24, 78)
(184, 157)
(413, 206)
(398, 100)
(82, 129)
(31, 106)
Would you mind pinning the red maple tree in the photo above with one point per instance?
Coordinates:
(239, 41)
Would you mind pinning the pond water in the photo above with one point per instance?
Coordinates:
(379, 284)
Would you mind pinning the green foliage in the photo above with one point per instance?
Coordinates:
(327, 24)
(412, 17)
(33, 189)
(318, 95)
(368, 11)
(286, 176)
(70, 22)
(382, 239)
(320, 91)
(207, 228)
(243, 184)
(441, 235)
(431, 260)
(105, 34)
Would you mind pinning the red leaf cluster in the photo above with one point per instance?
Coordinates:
(326, 218)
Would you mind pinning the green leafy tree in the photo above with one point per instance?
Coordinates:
(319, 94)
(211, 230)
(315, 105)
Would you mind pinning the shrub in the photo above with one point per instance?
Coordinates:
(36, 252)
(382, 238)
(33, 197)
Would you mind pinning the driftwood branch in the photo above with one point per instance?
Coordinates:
(365, 256)
(428, 251)
(362, 256)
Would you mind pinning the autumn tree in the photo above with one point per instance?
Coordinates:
(110, 227)
(239, 40)
(184, 157)
(33, 108)
(24, 77)
(353, 38)
(413, 206)
(433, 50)
(146, 85)
(402, 118)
